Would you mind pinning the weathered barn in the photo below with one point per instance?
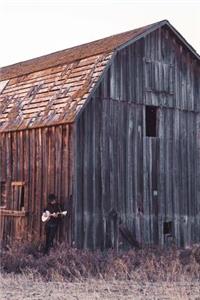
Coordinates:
(112, 128)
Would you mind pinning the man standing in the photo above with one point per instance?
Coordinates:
(51, 217)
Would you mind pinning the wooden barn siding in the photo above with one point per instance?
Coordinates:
(177, 138)
(130, 71)
(105, 176)
(42, 158)
(118, 167)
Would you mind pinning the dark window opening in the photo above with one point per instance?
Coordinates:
(22, 198)
(2, 194)
(151, 121)
(167, 228)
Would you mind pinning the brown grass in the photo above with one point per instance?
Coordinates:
(69, 273)
(26, 286)
(148, 264)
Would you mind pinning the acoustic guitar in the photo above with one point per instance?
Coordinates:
(47, 215)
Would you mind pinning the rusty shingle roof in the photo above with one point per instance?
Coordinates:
(67, 56)
(49, 96)
(52, 89)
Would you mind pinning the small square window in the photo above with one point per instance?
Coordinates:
(167, 228)
(159, 77)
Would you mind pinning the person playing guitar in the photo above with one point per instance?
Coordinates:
(51, 218)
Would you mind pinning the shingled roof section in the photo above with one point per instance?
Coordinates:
(70, 55)
(52, 89)
(49, 96)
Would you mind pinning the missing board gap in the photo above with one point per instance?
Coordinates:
(3, 85)
(2, 194)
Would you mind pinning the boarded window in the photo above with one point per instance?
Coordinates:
(17, 195)
(159, 77)
(151, 121)
(2, 194)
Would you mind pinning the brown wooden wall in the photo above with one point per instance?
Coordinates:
(40, 160)
(148, 181)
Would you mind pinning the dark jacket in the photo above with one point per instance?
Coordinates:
(53, 208)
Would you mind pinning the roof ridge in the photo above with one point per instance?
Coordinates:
(67, 55)
(101, 46)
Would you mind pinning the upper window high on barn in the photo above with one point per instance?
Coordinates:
(159, 77)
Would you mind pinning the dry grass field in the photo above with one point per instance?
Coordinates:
(67, 273)
(20, 287)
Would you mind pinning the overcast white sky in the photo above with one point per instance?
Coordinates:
(31, 28)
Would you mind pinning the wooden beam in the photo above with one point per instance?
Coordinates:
(18, 183)
(12, 213)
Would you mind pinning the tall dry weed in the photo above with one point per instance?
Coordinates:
(71, 264)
